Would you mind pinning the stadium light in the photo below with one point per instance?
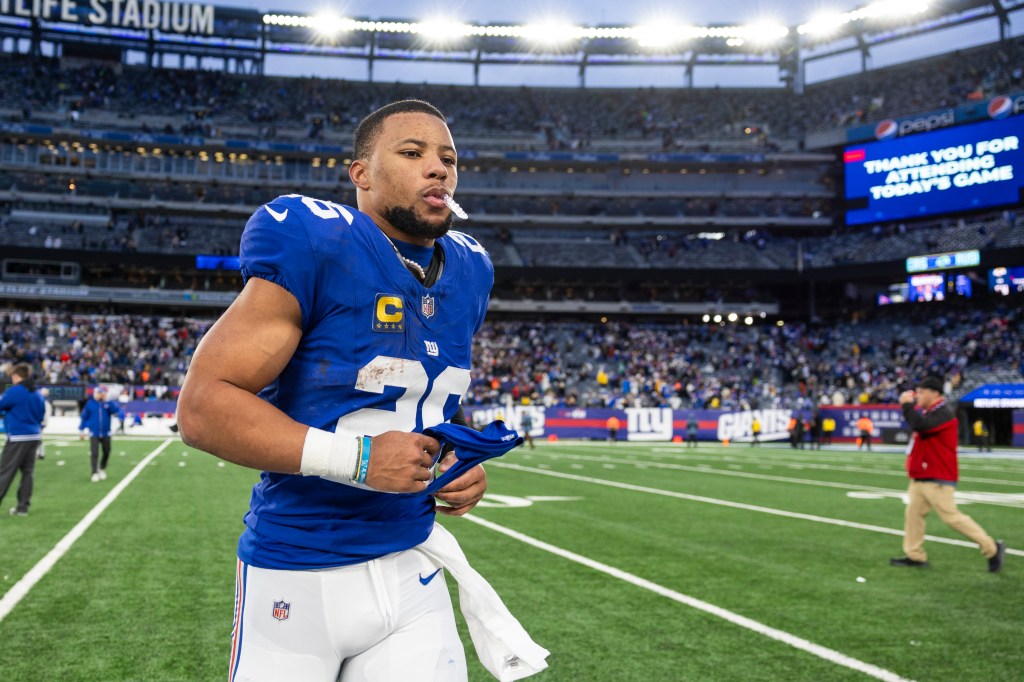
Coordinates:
(660, 35)
(826, 24)
(655, 34)
(328, 24)
(551, 33)
(286, 20)
(763, 33)
(890, 9)
(748, 320)
(706, 318)
(440, 30)
(498, 31)
(733, 317)
(718, 318)
(823, 24)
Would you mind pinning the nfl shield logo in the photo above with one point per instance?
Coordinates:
(427, 306)
(281, 609)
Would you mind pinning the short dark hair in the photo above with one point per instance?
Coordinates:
(932, 382)
(22, 370)
(369, 128)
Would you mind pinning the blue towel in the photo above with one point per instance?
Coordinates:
(471, 447)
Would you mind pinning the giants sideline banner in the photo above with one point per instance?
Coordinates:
(665, 424)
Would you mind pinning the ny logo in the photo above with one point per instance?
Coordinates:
(432, 348)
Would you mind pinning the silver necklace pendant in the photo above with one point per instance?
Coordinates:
(413, 266)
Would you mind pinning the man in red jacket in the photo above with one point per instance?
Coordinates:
(932, 466)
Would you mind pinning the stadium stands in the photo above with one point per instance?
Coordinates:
(733, 366)
(194, 102)
(696, 196)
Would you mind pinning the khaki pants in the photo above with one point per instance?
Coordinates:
(926, 496)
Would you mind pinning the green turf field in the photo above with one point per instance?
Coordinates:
(628, 562)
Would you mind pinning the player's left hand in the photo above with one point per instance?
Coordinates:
(907, 397)
(464, 492)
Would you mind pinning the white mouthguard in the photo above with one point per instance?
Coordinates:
(454, 207)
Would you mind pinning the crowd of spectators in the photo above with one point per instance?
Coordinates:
(599, 364)
(538, 244)
(69, 348)
(560, 118)
(526, 201)
(934, 83)
(204, 102)
(730, 366)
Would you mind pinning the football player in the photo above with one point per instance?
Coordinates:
(351, 335)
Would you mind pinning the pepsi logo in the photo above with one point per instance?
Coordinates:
(886, 129)
(1000, 107)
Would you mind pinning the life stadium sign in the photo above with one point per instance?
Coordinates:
(159, 15)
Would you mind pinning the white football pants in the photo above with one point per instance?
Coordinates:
(384, 620)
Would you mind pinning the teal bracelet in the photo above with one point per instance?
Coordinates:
(364, 460)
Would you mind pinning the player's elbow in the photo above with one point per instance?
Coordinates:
(194, 424)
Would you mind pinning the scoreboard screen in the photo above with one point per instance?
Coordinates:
(931, 287)
(1006, 281)
(951, 170)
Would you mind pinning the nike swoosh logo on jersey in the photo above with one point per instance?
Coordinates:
(425, 581)
(279, 217)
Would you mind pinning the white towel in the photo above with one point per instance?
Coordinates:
(502, 644)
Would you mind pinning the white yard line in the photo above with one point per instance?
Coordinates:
(29, 580)
(825, 653)
(810, 460)
(736, 505)
(764, 477)
(747, 454)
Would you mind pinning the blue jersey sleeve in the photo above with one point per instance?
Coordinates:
(276, 247)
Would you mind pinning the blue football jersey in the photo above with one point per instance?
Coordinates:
(379, 352)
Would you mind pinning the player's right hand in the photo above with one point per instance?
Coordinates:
(401, 462)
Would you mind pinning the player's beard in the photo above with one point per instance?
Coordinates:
(405, 220)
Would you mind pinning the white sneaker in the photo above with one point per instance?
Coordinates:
(95, 478)
(103, 474)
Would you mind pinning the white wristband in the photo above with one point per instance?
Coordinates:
(333, 456)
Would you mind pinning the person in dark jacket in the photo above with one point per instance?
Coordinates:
(24, 413)
(932, 467)
(96, 419)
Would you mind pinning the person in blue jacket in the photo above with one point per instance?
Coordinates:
(96, 420)
(24, 412)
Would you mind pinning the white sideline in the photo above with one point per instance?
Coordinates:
(829, 655)
(738, 505)
(769, 477)
(36, 573)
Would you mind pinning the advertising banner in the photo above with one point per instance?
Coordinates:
(997, 107)
(664, 424)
